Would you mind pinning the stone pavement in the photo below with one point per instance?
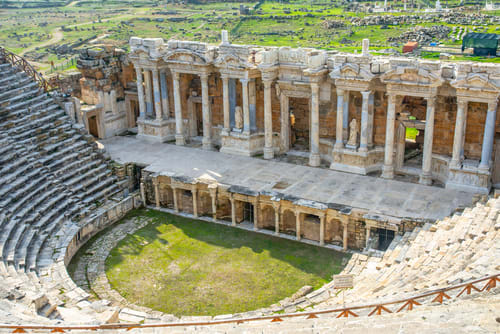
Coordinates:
(373, 194)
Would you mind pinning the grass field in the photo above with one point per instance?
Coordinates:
(188, 267)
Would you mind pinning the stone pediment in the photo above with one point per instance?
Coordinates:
(351, 72)
(476, 81)
(232, 62)
(412, 76)
(185, 56)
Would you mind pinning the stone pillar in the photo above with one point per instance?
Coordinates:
(297, 224)
(276, 218)
(179, 123)
(246, 106)
(285, 123)
(157, 94)
(322, 229)
(224, 37)
(459, 133)
(143, 193)
(233, 211)
(366, 46)
(194, 191)
(339, 132)
(149, 92)
(213, 195)
(426, 176)
(156, 184)
(207, 115)
(367, 236)
(345, 241)
(252, 104)
(225, 101)
(268, 121)
(371, 111)
(256, 215)
(314, 157)
(345, 123)
(489, 136)
(140, 92)
(365, 119)
(388, 169)
(176, 203)
(164, 94)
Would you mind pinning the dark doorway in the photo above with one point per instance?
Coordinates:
(93, 126)
(248, 212)
(385, 238)
(199, 119)
(299, 124)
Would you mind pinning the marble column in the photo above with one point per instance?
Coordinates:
(268, 121)
(345, 241)
(345, 108)
(388, 168)
(207, 115)
(149, 93)
(285, 123)
(367, 236)
(314, 157)
(143, 193)
(276, 220)
(157, 192)
(140, 92)
(256, 215)
(246, 106)
(322, 230)
(459, 133)
(225, 102)
(297, 225)
(252, 104)
(176, 202)
(179, 123)
(194, 192)
(233, 211)
(365, 120)
(164, 94)
(214, 205)
(489, 136)
(426, 176)
(339, 132)
(157, 94)
(371, 112)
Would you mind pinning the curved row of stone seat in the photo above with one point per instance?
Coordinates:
(456, 249)
(51, 175)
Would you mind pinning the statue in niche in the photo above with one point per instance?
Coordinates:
(353, 133)
(238, 118)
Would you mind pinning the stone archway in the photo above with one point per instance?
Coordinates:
(288, 222)
(267, 218)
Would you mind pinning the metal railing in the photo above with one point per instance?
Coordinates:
(397, 306)
(25, 66)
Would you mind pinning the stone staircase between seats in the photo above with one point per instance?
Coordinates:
(51, 175)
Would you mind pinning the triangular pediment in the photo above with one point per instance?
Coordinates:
(231, 61)
(351, 72)
(185, 56)
(475, 81)
(412, 76)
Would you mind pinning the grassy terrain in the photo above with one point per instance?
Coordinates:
(188, 267)
(297, 23)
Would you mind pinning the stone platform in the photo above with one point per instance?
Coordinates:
(375, 195)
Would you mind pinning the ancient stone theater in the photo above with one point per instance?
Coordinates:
(395, 160)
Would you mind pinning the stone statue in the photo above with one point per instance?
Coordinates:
(238, 118)
(353, 133)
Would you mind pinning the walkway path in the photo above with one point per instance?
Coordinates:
(375, 195)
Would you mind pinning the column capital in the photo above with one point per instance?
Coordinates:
(244, 81)
(340, 92)
(431, 100)
(225, 78)
(267, 83)
(175, 75)
(155, 71)
(366, 94)
(462, 102)
(492, 106)
(314, 85)
(204, 76)
(392, 97)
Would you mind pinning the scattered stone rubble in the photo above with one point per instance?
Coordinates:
(454, 17)
(423, 35)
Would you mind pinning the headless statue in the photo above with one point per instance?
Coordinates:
(353, 133)
(238, 118)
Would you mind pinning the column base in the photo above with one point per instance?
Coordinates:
(207, 144)
(314, 160)
(338, 146)
(388, 172)
(483, 168)
(180, 140)
(425, 179)
(268, 153)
